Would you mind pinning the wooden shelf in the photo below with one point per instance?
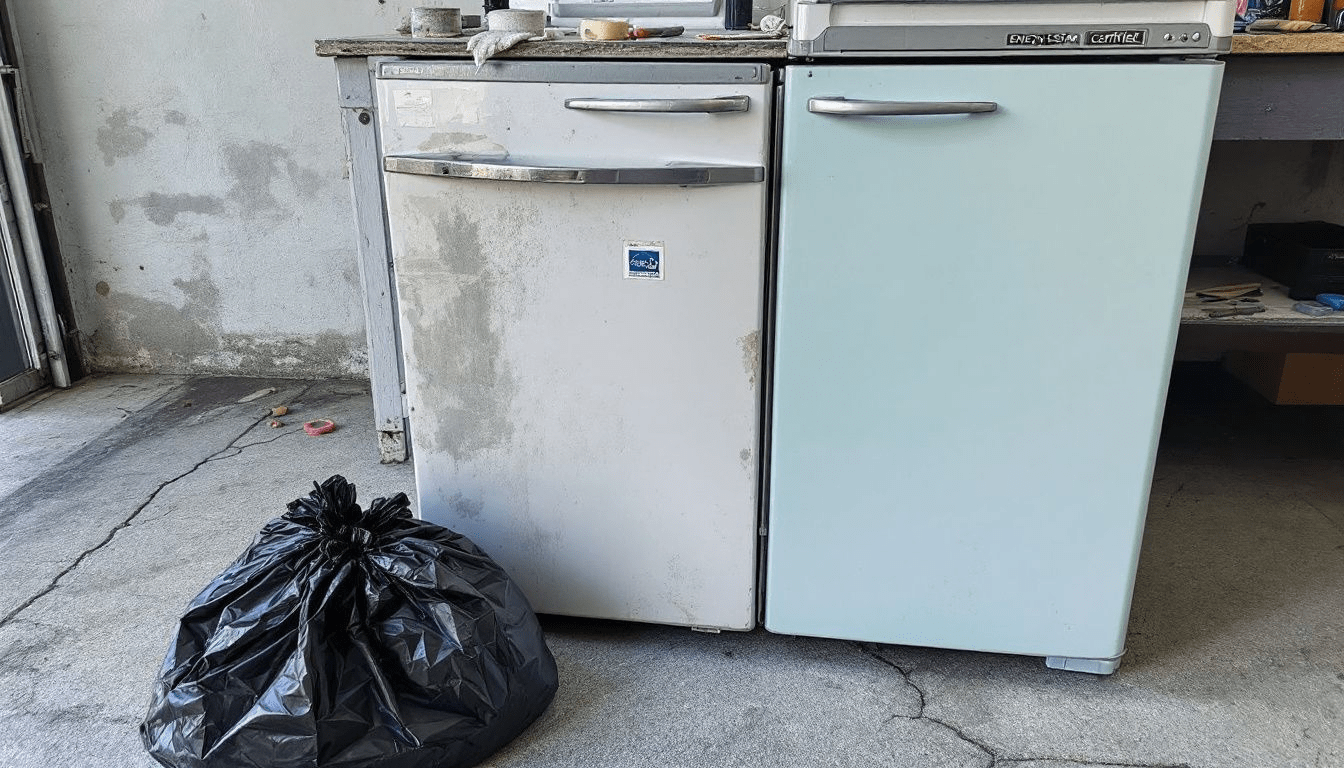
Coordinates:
(1298, 42)
(1278, 307)
(1277, 329)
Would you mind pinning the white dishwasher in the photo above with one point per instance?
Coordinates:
(579, 252)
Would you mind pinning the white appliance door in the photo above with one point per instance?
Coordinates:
(979, 281)
(580, 291)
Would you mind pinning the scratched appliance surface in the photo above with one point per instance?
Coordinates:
(596, 433)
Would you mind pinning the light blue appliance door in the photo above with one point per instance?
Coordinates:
(975, 321)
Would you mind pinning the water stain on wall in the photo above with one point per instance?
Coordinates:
(163, 209)
(174, 117)
(255, 166)
(119, 137)
(201, 293)
(324, 355)
(138, 333)
(307, 183)
(185, 335)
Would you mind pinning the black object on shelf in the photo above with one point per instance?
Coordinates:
(495, 5)
(1308, 257)
(737, 14)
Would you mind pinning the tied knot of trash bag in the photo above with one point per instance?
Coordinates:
(345, 540)
(345, 528)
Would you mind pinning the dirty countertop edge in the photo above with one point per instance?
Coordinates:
(686, 46)
(689, 46)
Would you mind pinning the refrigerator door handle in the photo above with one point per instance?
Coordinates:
(839, 105)
(464, 167)
(710, 105)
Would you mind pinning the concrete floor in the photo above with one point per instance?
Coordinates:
(121, 498)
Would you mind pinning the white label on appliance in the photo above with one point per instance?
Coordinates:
(414, 108)
(643, 260)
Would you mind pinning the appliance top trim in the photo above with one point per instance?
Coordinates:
(879, 28)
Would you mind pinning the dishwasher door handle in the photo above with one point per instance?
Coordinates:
(716, 104)
(839, 105)
(459, 167)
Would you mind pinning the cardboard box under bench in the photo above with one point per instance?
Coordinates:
(1291, 378)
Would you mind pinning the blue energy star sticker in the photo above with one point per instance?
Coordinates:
(644, 261)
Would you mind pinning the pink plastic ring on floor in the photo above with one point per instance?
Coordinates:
(319, 426)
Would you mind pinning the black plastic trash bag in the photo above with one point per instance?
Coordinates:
(349, 638)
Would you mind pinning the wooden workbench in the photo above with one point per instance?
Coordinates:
(1301, 42)
(686, 47)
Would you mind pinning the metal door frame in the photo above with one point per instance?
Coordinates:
(25, 277)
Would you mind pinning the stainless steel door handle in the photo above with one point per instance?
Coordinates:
(839, 105)
(461, 167)
(717, 104)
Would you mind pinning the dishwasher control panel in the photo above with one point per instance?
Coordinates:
(1011, 27)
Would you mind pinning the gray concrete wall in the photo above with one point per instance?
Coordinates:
(197, 169)
(1266, 181)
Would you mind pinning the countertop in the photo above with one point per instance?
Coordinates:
(1278, 307)
(685, 47)
(690, 47)
(1301, 42)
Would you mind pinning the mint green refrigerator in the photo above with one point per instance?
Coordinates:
(979, 278)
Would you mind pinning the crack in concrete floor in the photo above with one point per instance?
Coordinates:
(112, 534)
(995, 756)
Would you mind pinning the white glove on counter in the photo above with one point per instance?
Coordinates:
(773, 25)
(483, 45)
